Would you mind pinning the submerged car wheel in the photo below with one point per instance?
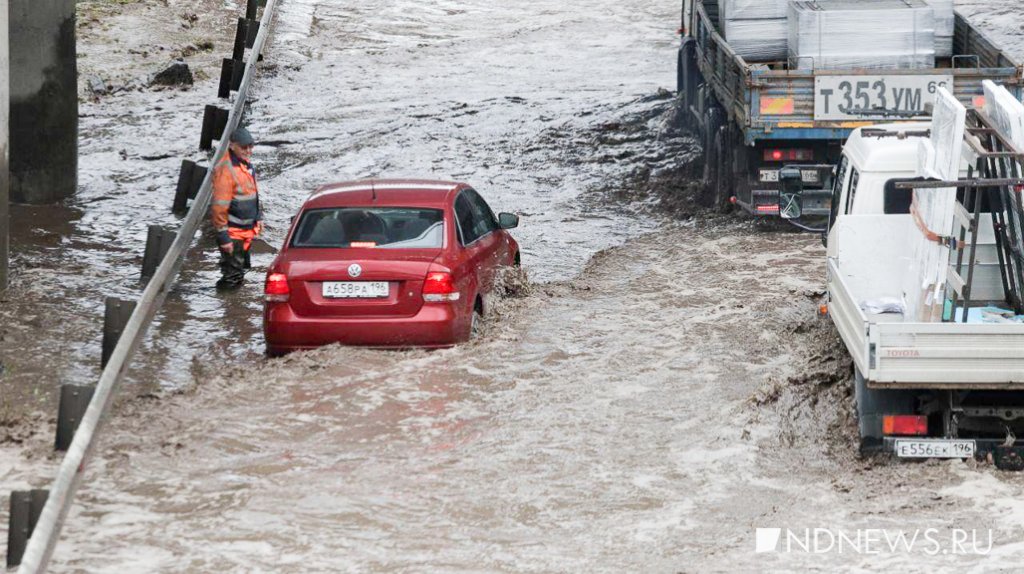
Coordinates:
(476, 323)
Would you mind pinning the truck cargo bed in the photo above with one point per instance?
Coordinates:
(768, 101)
(891, 353)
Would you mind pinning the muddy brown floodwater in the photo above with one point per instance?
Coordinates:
(659, 391)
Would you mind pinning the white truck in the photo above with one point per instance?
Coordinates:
(949, 389)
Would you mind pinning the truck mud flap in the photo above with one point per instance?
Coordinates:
(1008, 457)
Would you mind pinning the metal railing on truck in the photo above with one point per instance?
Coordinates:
(48, 526)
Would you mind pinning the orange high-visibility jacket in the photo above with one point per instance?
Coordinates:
(236, 201)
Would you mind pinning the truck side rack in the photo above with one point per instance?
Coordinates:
(1003, 161)
(993, 185)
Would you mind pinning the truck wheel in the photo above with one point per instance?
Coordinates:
(687, 80)
(724, 182)
(713, 121)
(872, 405)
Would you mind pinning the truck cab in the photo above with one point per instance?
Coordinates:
(951, 389)
(872, 162)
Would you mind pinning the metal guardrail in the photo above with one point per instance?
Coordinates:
(69, 475)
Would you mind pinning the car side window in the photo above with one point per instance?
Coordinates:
(897, 200)
(485, 220)
(837, 191)
(854, 179)
(465, 219)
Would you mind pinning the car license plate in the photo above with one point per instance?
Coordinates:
(935, 448)
(769, 175)
(355, 289)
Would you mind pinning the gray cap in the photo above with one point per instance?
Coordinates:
(241, 136)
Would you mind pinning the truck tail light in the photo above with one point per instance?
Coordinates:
(777, 154)
(767, 208)
(438, 287)
(906, 425)
(276, 289)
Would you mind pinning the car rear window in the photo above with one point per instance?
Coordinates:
(383, 227)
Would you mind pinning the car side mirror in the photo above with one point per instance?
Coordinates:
(508, 220)
(791, 188)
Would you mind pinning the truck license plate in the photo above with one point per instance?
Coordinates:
(865, 97)
(772, 176)
(355, 289)
(935, 448)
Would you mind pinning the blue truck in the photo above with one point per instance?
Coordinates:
(756, 118)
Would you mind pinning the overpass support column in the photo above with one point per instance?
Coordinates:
(43, 100)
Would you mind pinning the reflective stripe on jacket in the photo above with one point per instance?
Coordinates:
(236, 201)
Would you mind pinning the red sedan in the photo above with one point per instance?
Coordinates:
(386, 263)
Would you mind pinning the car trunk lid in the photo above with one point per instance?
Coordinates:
(352, 276)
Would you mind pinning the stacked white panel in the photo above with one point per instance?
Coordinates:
(944, 25)
(924, 286)
(756, 30)
(861, 34)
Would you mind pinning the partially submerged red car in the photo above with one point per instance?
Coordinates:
(386, 263)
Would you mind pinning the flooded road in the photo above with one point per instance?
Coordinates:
(593, 429)
(643, 407)
(645, 416)
(467, 91)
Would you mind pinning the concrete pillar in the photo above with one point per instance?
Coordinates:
(44, 100)
(4, 131)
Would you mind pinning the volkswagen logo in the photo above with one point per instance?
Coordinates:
(355, 270)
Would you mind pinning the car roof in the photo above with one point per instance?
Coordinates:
(384, 192)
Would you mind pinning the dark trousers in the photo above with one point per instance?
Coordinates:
(233, 265)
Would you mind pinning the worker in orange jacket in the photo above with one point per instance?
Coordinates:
(236, 211)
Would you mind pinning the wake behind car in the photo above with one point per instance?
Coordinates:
(386, 263)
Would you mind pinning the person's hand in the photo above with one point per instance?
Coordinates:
(228, 248)
(259, 227)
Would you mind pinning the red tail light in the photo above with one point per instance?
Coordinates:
(907, 425)
(767, 208)
(788, 155)
(276, 288)
(439, 287)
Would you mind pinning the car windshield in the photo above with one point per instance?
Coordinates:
(381, 227)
